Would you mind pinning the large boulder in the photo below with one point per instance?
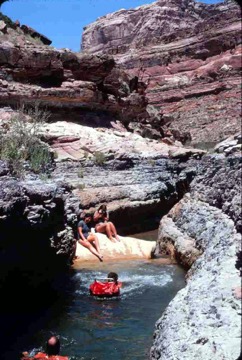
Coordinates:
(127, 248)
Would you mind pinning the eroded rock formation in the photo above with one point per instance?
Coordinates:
(192, 78)
(189, 56)
(203, 232)
(92, 102)
(89, 89)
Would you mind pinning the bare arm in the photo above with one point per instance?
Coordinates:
(97, 216)
(106, 216)
(81, 233)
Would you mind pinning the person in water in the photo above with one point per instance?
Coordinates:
(86, 238)
(109, 288)
(103, 225)
(52, 351)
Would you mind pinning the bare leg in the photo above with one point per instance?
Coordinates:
(105, 228)
(114, 231)
(91, 248)
(95, 242)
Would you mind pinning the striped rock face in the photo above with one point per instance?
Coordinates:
(189, 56)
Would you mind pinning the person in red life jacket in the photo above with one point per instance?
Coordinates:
(103, 225)
(86, 238)
(109, 288)
(52, 351)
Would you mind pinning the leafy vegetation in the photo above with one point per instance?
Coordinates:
(80, 186)
(99, 158)
(20, 142)
(7, 20)
(34, 39)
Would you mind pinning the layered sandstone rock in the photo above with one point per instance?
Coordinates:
(138, 177)
(85, 87)
(188, 54)
(203, 232)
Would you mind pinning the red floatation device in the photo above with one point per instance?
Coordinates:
(108, 288)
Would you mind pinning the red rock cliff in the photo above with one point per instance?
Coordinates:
(188, 53)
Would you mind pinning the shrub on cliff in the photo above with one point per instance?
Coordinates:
(20, 142)
(99, 158)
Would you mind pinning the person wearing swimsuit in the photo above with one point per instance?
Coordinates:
(86, 238)
(103, 225)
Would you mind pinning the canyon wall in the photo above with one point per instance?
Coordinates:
(203, 232)
(188, 68)
(188, 54)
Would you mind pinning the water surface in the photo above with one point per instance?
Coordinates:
(115, 329)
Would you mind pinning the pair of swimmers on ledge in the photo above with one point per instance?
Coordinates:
(102, 225)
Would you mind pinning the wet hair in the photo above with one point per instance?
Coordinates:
(53, 346)
(114, 276)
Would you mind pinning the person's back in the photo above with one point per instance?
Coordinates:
(52, 351)
(109, 288)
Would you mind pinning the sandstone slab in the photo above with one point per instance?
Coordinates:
(127, 248)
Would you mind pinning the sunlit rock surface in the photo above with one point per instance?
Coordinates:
(72, 141)
(188, 54)
(127, 248)
(137, 177)
(203, 233)
(204, 319)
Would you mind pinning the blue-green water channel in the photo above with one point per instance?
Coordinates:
(111, 329)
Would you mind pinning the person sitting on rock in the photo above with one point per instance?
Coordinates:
(103, 225)
(86, 238)
(52, 351)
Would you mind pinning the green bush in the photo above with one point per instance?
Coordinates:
(99, 158)
(20, 143)
(7, 20)
(80, 174)
(39, 157)
(80, 186)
